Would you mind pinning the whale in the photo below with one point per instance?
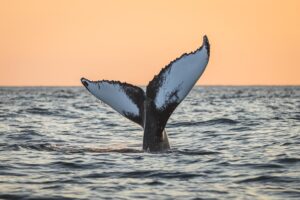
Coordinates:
(152, 108)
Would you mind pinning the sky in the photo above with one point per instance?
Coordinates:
(56, 42)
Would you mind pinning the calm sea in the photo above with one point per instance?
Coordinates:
(227, 143)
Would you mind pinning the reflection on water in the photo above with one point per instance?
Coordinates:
(227, 143)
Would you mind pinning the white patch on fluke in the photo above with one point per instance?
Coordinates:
(180, 77)
(113, 95)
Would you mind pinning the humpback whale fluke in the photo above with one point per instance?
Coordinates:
(152, 109)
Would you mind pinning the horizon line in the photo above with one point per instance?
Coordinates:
(205, 85)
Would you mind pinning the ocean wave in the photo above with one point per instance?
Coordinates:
(217, 121)
(273, 179)
(258, 166)
(23, 196)
(287, 160)
(145, 174)
(195, 152)
(40, 111)
(66, 149)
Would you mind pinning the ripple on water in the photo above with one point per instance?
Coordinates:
(217, 121)
(33, 197)
(287, 160)
(271, 179)
(145, 174)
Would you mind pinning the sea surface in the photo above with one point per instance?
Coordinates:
(227, 143)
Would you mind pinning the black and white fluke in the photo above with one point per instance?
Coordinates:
(152, 109)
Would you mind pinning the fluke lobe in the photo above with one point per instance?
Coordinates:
(152, 109)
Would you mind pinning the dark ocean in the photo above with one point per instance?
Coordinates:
(227, 143)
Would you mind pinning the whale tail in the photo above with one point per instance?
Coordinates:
(152, 109)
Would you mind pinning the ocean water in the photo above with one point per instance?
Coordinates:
(227, 143)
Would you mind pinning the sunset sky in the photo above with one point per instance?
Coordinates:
(56, 42)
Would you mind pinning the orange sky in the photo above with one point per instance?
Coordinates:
(56, 42)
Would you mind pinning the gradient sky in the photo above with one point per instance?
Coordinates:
(56, 42)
